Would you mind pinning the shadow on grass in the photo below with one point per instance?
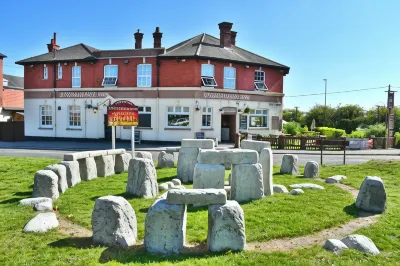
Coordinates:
(123, 194)
(351, 210)
(76, 242)
(165, 179)
(9, 201)
(25, 193)
(138, 254)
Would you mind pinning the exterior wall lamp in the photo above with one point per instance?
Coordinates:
(197, 106)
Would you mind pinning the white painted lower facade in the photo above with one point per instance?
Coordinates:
(92, 121)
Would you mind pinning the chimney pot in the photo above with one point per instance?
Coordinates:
(157, 35)
(138, 39)
(233, 37)
(225, 33)
(52, 46)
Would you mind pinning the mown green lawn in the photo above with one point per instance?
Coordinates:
(272, 217)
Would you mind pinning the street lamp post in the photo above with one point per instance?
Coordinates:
(326, 81)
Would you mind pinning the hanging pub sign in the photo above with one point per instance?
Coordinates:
(122, 113)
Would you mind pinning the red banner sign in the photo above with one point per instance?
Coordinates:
(122, 113)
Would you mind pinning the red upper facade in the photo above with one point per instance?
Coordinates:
(202, 61)
(11, 89)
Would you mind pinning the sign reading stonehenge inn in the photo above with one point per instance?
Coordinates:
(122, 113)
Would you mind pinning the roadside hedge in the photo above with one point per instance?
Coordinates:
(331, 133)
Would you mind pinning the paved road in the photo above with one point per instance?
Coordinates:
(303, 158)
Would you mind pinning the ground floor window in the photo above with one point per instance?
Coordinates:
(206, 117)
(178, 116)
(46, 116)
(144, 116)
(74, 116)
(257, 118)
(243, 122)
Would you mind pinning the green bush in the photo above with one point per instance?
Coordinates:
(357, 134)
(397, 139)
(292, 128)
(331, 133)
(378, 130)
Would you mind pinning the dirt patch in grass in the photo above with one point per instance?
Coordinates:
(72, 229)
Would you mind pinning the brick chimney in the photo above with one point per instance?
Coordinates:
(53, 44)
(1, 80)
(138, 39)
(225, 34)
(157, 35)
(233, 37)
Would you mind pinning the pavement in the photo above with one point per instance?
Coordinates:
(56, 149)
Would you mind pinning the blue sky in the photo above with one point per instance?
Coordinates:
(354, 44)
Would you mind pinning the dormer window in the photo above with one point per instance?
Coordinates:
(207, 75)
(259, 81)
(110, 75)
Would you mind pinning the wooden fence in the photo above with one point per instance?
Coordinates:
(12, 131)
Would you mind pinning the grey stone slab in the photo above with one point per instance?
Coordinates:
(73, 174)
(307, 186)
(43, 206)
(296, 191)
(87, 168)
(241, 156)
(211, 157)
(176, 182)
(165, 160)
(45, 184)
(142, 178)
(122, 162)
(165, 227)
(144, 155)
(32, 201)
(76, 156)
(361, 243)
(41, 223)
(311, 169)
(336, 179)
(226, 227)
(116, 151)
(61, 172)
(334, 245)
(247, 182)
(105, 165)
(198, 143)
(280, 189)
(187, 159)
(372, 195)
(196, 196)
(208, 176)
(98, 153)
(289, 164)
(255, 145)
(266, 161)
(114, 222)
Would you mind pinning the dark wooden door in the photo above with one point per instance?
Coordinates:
(107, 129)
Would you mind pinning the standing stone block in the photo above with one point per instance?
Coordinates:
(198, 143)
(267, 169)
(73, 174)
(187, 159)
(211, 157)
(122, 162)
(311, 169)
(45, 184)
(142, 178)
(255, 145)
(105, 165)
(372, 195)
(165, 160)
(226, 229)
(61, 172)
(208, 176)
(196, 196)
(144, 155)
(240, 156)
(290, 164)
(247, 182)
(165, 227)
(114, 222)
(87, 168)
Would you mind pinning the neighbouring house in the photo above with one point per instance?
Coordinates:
(202, 84)
(11, 96)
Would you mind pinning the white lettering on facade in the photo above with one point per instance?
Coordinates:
(83, 94)
(228, 96)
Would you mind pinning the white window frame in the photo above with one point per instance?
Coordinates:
(258, 113)
(76, 77)
(110, 76)
(247, 122)
(256, 86)
(70, 107)
(45, 72)
(146, 76)
(207, 111)
(205, 76)
(230, 78)
(176, 112)
(44, 111)
(59, 72)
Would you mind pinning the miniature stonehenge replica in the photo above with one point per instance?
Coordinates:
(77, 167)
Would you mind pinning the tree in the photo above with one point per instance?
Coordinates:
(317, 113)
(289, 115)
(348, 117)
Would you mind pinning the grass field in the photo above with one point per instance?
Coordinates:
(272, 217)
